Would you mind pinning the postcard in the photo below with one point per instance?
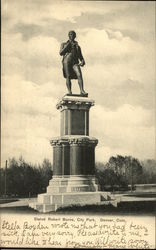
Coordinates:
(78, 166)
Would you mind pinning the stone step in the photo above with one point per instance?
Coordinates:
(69, 198)
(104, 196)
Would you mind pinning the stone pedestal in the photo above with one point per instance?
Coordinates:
(73, 155)
(73, 179)
(74, 115)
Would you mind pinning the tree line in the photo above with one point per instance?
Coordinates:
(120, 172)
(27, 179)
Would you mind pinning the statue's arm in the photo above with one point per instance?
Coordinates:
(64, 48)
(81, 57)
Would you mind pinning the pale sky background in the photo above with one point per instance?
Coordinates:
(118, 43)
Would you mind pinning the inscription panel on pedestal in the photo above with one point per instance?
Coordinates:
(77, 122)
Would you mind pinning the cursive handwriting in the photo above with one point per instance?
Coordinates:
(51, 231)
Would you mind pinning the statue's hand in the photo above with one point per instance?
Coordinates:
(82, 63)
(68, 44)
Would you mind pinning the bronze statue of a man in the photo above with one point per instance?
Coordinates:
(71, 53)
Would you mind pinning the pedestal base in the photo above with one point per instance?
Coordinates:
(69, 190)
(74, 183)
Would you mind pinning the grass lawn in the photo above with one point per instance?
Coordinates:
(125, 208)
(140, 205)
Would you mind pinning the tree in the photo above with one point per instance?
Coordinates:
(126, 167)
(149, 172)
(46, 173)
(100, 165)
(2, 181)
(107, 179)
(25, 179)
(119, 172)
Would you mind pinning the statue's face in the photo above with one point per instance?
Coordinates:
(71, 36)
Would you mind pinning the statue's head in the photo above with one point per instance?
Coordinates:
(72, 34)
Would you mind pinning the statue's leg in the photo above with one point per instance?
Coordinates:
(66, 70)
(77, 70)
(68, 83)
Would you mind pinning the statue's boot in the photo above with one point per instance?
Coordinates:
(83, 92)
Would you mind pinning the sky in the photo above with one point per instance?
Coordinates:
(117, 39)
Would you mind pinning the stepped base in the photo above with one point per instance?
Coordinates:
(51, 202)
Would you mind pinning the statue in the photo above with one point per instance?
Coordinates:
(71, 53)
